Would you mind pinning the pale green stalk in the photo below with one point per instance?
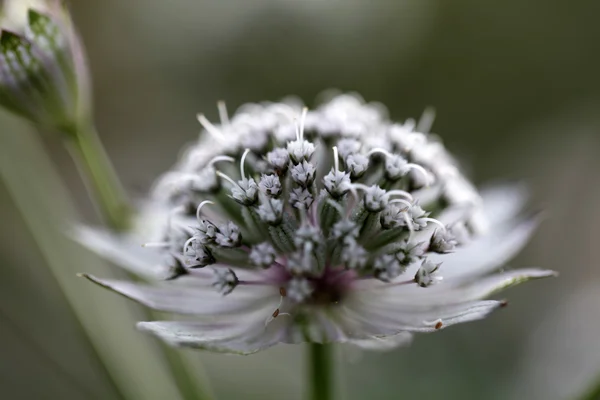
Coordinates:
(96, 170)
(108, 194)
(133, 361)
(320, 371)
(592, 394)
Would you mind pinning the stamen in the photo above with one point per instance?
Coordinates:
(242, 161)
(199, 209)
(409, 223)
(352, 188)
(223, 116)
(401, 201)
(426, 120)
(297, 130)
(361, 186)
(380, 151)
(276, 313)
(336, 160)
(210, 128)
(187, 243)
(302, 120)
(399, 192)
(422, 170)
(220, 158)
(228, 179)
(435, 221)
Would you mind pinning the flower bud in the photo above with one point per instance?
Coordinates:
(43, 72)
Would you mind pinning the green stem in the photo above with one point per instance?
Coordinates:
(106, 190)
(103, 184)
(592, 394)
(320, 371)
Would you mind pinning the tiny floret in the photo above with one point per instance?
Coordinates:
(263, 255)
(245, 192)
(303, 174)
(337, 183)
(271, 211)
(376, 199)
(386, 268)
(270, 185)
(300, 150)
(425, 274)
(228, 235)
(301, 198)
(279, 159)
(299, 289)
(225, 280)
(442, 241)
(357, 165)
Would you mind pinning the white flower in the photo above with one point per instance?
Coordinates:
(334, 244)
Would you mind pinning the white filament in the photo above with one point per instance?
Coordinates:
(228, 179)
(199, 209)
(210, 128)
(401, 201)
(223, 116)
(336, 161)
(399, 192)
(435, 221)
(219, 159)
(242, 161)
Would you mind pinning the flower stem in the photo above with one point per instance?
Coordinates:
(592, 394)
(320, 371)
(108, 194)
(102, 181)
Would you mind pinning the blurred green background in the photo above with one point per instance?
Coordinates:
(516, 86)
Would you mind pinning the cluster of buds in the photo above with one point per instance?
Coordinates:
(322, 226)
(43, 71)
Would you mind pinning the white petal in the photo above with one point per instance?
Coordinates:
(487, 253)
(383, 343)
(414, 298)
(491, 284)
(195, 300)
(229, 338)
(369, 315)
(503, 202)
(122, 250)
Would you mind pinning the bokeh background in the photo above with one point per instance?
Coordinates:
(516, 87)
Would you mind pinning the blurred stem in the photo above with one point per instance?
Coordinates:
(593, 394)
(99, 175)
(320, 371)
(106, 189)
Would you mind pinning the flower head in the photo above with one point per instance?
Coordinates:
(319, 235)
(43, 72)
